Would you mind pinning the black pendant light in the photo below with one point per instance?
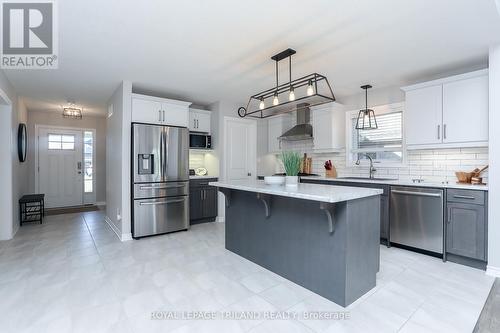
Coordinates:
(313, 89)
(366, 117)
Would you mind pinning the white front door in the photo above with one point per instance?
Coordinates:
(241, 149)
(60, 167)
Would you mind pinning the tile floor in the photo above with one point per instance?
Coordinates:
(71, 274)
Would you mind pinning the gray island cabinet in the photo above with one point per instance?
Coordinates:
(324, 238)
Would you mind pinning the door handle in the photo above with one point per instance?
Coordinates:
(439, 132)
(163, 115)
(444, 131)
(423, 194)
(159, 187)
(159, 115)
(202, 194)
(160, 202)
(449, 214)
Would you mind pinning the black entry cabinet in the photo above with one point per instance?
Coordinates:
(202, 200)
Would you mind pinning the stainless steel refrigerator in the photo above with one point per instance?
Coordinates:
(160, 177)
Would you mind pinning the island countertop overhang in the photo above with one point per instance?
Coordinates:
(313, 192)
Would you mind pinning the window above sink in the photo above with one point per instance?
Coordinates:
(385, 144)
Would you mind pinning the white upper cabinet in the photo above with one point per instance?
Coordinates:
(146, 111)
(199, 121)
(160, 111)
(448, 113)
(276, 127)
(423, 115)
(328, 123)
(465, 110)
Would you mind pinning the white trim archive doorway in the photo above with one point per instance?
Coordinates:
(65, 164)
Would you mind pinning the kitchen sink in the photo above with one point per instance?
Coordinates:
(365, 178)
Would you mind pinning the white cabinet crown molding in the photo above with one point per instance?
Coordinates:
(481, 72)
(162, 100)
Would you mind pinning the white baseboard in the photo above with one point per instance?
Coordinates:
(113, 227)
(220, 219)
(122, 237)
(126, 237)
(493, 271)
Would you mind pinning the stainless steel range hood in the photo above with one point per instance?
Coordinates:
(303, 130)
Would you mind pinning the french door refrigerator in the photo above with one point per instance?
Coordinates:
(160, 178)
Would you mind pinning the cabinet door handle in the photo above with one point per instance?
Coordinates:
(159, 115)
(449, 214)
(163, 115)
(444, 131)
(439, 132)
(456, 196)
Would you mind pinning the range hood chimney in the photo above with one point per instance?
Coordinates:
(303, 130)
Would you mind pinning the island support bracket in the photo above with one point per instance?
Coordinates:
(266, 200)
(329, 209)
(227, 195)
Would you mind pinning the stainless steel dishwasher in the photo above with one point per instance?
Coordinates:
(417, 217)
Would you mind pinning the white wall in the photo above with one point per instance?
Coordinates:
(118, 140)
(494, 172)
(13, 173)
(88, 122)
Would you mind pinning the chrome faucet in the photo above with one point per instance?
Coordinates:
(372, 169)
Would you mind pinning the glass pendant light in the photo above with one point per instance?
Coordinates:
(366, 118)
(276, 101)
(310, 89)
(291, 96)
(262, 105)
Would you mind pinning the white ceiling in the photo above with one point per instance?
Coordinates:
(205, 51)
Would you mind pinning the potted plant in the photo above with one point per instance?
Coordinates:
(291, 162)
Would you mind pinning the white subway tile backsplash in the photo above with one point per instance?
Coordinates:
(432, 165)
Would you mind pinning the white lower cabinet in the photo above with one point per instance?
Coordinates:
(160, 111)
(448, 113)
(328, 123)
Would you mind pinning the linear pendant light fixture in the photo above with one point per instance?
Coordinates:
(310, 90)
(366, 117)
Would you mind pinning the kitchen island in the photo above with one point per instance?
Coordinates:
(324, 238)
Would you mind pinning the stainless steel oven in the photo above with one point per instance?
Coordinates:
(200, 141)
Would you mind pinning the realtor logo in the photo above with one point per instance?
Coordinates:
(29, 39)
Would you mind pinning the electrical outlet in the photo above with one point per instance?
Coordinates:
(118, 215)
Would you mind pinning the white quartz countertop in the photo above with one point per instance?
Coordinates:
(202, 177)
(314, 192)
(402, 183)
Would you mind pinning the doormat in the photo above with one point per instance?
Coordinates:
(71, 210)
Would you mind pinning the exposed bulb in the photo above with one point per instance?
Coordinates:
(276, 101)
(310, 89)
(291, 96)
(262, 105)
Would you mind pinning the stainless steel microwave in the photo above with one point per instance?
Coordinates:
(200, 141)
